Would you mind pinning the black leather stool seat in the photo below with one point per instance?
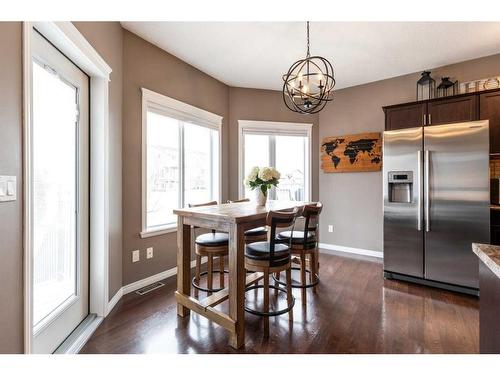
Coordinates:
(212, 239)
(260, 251)
(260, 231)
(298, 237)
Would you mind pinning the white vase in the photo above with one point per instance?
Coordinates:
(260, 197)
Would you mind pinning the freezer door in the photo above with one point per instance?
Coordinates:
(403, 231)
(456, 207)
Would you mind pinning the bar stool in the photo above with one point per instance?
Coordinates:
(269, 257)
(211, 245)
(304, 243)
(254, 234)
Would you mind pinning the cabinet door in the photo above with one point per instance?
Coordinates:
(407, 116)
(447, 111)
(489, 109)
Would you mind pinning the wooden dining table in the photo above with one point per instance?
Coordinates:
(234, 219)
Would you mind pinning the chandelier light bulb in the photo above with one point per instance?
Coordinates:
(320, 79)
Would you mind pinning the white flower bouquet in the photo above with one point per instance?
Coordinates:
(262, 179)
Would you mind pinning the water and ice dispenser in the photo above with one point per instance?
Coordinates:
(400, 186)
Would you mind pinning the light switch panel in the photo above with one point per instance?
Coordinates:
(8, 187)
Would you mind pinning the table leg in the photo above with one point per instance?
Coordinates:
(183, 263)
(237, 278)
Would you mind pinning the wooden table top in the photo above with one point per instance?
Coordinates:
(237, 212)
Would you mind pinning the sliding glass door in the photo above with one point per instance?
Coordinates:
(59, 195)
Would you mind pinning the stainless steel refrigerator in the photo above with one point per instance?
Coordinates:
(436, 203)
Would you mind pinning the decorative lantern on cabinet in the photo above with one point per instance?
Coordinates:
(426, 86)
(446, 87)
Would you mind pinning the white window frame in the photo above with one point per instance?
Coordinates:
(273, 128)
(183, 112)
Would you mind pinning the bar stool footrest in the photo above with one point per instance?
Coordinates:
(271, 313)
(207, 290)
(295, 285)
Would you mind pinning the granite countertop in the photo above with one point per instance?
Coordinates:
(490, 255)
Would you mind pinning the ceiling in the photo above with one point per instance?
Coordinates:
(257, 54)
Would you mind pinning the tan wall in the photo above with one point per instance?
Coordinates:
(146, 65)
(11, 245)
(353, 201)
(264, 105)
(106, 38)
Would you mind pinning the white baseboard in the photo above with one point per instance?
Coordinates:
(371, 253)
(118, 295)
(132, 287)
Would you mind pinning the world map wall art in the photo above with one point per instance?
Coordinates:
(352, 153)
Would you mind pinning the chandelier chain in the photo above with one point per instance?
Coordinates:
(308, 39)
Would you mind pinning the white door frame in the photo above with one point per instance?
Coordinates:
(66, 37)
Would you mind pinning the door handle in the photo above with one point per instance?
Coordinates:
(427, 155)
(430, 119)
(424, 120)
(419, 196)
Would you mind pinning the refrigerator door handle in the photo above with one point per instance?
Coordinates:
(418, 186)
(426, 190)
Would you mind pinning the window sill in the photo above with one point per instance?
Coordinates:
(158, 232)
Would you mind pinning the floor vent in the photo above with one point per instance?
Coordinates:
(149, 288)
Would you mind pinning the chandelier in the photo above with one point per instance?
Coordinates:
(309, 83)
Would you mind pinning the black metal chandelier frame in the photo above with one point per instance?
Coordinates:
(298, 98)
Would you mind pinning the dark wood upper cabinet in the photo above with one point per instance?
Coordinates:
(404, 116)
(489, 109)
(483, 105)
(446, 111)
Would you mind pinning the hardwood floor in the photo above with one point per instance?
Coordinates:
(355, 311)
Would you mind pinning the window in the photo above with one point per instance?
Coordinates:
(181, 160)
(285, 146)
